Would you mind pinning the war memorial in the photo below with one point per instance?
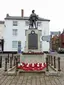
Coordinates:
(31, 67)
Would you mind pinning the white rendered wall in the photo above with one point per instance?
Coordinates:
(8, 37)
(45, 32)
(1, 30)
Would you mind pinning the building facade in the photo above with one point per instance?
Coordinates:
(1, 35)
(14, 31)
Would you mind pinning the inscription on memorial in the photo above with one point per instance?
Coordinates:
(32, 40)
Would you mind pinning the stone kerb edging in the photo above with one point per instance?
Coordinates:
(10, 72)
(54, 73)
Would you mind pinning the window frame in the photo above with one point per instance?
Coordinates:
(15, 23)
(14, 32)
(13, 44)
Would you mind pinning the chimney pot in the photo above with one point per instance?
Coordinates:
(22, 12)
(7, 15)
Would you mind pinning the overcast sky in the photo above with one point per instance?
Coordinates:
(49, 9)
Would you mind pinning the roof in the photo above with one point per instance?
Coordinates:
(22, 18)
(1, 22)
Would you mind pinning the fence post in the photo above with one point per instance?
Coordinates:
(48, 58)
(59, 64)
(18, 58)
(51, 60)
(16, 65)
(5, 64)
(54, 62)
(14, 60)
(47, 64)
(12, 55)
(10, 62)
(0, 61)
(8, 58)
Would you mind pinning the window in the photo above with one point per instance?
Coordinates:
(15, 32)
(15, 23)
(14, 44)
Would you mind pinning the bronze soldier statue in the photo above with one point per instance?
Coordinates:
(33, 18)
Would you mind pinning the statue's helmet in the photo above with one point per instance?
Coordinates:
(33, 11)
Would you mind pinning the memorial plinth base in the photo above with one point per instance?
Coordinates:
(33, 57)
(22, 71)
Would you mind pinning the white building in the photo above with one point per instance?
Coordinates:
(1, 29)
(14, 31)
(1, 35)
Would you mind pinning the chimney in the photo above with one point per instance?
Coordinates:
(7, 15)
(22, 13)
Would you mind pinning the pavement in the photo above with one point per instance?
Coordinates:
(32, 78)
